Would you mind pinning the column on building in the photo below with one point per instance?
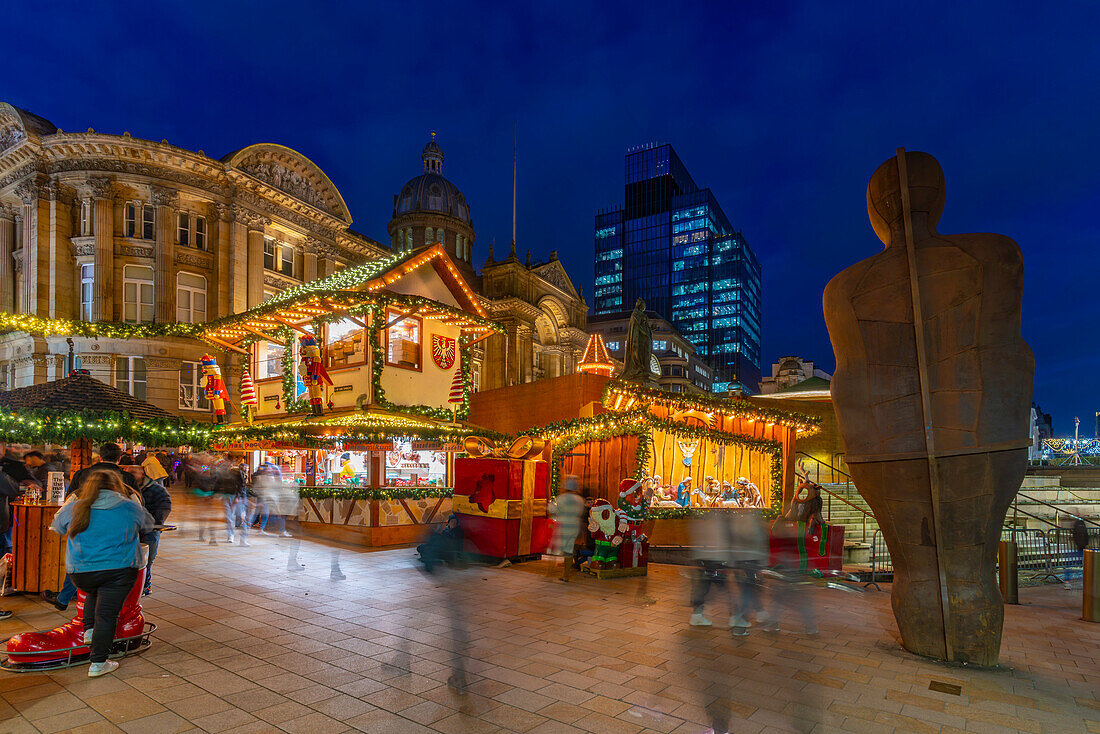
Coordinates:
(309, 259)
(34, 219)
(219, 295)
(103, 228)
(162, 387)
(255, 263)
(60, 266)
(7, 246)
(166, 201)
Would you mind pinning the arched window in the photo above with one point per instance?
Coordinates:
(190, 298)
(408, 238)
(137, 293)
(429, 235)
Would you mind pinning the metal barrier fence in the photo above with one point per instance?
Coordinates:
(1050, 555)
(881, 563)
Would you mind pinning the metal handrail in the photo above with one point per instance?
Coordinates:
(1054, 507)
(827, 465)
(863, 520)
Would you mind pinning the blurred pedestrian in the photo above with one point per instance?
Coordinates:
(265, 485)
(748, 552)
(710, 541)
(229, 483)
(567, 509)
(103, 556)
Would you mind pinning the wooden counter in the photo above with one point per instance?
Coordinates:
(38, 553)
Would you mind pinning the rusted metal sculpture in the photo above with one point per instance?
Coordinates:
(932, 392)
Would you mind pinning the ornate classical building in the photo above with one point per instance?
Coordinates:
(543, 315)
(100, 227)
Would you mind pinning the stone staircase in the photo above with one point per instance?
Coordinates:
(858, 528)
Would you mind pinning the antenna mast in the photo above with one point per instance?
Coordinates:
(515, 147)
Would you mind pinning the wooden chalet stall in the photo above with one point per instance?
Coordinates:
(373, 453)
(647, 433)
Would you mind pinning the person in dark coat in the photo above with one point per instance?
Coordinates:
(109, 456)
(158, 503)
(229, 482)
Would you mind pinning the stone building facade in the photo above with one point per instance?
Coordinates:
(100, 227)
(543, 315)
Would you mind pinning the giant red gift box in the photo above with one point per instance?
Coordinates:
(502, 505)
(634, 554)
(810, 551)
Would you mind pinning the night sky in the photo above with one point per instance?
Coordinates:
(783, 111)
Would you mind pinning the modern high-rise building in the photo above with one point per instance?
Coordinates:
(672, 245)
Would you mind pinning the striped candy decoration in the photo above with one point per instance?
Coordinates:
(248, 392)
(456, 385)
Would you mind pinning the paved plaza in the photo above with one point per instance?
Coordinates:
(244, 645)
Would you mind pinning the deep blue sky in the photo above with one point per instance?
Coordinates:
(783, 109)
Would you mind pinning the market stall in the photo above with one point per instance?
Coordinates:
(358, 388)
(79, 412)
(692, 450)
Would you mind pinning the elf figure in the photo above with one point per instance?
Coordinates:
(249, 404)
(216, 391)
(607, 527)
(314, 374)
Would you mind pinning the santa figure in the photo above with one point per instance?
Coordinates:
(632, 506)
(608, 527)
(216, 391)
(314, 374)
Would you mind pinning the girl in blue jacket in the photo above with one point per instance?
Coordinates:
(103, 556)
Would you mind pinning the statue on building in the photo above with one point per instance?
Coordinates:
(932, 392)
(638, 349)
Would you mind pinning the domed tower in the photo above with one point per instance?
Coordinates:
(431, 209)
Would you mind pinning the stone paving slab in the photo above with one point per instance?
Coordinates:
(244, 645)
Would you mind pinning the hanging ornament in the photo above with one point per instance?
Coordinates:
(314, 374)
(249, 404)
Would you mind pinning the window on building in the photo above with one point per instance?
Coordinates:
(183, 229)
(192, 393)
(269, 254)
(286, 265)
(200, 232)
(137, 293)
(269, 359)
(85, 218)
(475, 377)
(429, 235)
(148, 222)
(190, 298)
(130, 229)
(130, 376)
(87, 290)
(345, 344)
(403, 341)
(613, 346)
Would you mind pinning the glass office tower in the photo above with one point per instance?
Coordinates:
(672, 246)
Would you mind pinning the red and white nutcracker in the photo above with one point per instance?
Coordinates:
(634, 551)
(500, 496)
(314, 374)
(216, 391)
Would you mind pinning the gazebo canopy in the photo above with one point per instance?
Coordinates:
(81, 406)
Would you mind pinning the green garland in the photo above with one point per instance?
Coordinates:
(676, 513)
(707, 403)
(374, 493)
(44, 327)
(294, 432)
(39, 427)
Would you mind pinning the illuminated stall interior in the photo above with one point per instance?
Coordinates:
(646, 432)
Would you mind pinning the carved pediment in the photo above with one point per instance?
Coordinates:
(292, 174)
(554, 274)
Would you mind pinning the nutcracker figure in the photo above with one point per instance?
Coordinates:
(314, 374)
(216, 391)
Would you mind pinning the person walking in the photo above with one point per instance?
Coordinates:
(229, 482)
(567, 509)
(103, 556)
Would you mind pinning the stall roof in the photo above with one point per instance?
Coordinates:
(626, 397)
(79, 393)
(353, 288)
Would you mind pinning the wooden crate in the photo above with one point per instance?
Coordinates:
(38, 555)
